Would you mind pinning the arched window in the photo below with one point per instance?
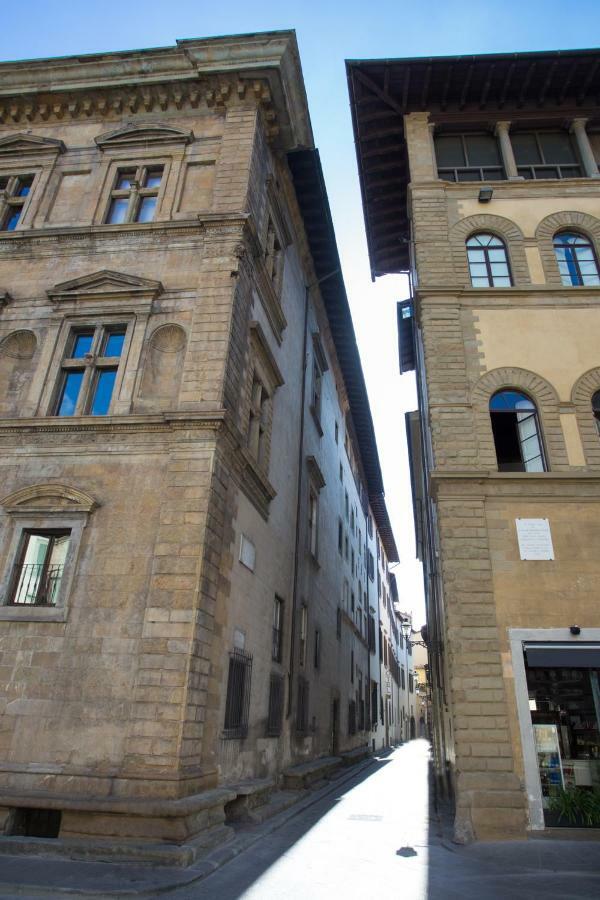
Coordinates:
(488, 262)
(576, 259)
(516, 433)
(596, 408)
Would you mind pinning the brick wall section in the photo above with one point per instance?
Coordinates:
(490, 802)
(430, 233)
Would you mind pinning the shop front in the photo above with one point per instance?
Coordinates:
(558, 698)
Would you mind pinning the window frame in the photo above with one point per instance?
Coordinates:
(25, 520)
(91, 363)
(506, 467)
(585, 242)
(26, 535)
(456, 170)
(544, 165)
(238, 729)
(12, 200)
(595, 404)
(277, 636)
(136, 193)
(488, 263)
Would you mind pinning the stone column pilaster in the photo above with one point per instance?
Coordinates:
(506, 150)
(586, 153)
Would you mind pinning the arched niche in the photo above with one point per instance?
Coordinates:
(17, 352)
(163, 367)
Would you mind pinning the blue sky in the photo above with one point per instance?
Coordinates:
(328, 33)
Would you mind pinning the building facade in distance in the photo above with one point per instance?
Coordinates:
(480, 179)
(190, 490)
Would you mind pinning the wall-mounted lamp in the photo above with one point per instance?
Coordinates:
(485, 194)
(575, 629)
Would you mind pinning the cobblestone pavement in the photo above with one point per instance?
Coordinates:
(372, 834)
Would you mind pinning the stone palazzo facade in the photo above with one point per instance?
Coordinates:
(480, 179)
(190, 495)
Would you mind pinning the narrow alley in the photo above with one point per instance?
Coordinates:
(370, 834)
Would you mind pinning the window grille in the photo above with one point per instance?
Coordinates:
(38, 572)
(352, 717)
(237, 704)
(275, 719)
(302, 708)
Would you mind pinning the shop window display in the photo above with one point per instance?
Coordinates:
(565, 714)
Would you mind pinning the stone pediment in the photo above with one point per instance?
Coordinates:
(21, 143)
(143, 134)
(48, 498)
(106, 285)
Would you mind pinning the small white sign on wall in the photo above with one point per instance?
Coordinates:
(247, 553)
(535, 540)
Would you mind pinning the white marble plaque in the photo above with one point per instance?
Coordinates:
(247, 553)
(535, 540)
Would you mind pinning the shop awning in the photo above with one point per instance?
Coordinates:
(563, 656)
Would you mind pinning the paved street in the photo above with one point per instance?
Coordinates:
(375, 839)
(368, 835)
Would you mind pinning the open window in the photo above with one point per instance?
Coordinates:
(596, 408)
(517, 435)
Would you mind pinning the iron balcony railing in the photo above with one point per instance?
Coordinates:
(36, 584)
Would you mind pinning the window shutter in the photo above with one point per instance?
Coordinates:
(406, 336)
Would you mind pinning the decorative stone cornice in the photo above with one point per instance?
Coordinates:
(47, 497)
(147, 132)
(22, 144)
(577, 486)
(105, 285)
(92, 425)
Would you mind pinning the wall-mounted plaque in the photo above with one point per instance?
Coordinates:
(535, 540)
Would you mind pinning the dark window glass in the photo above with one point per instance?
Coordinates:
(276, 694)
(557, 147)
(105, 382)
(118, 210)
(114, 343)
(482, 150)
(12, 219)
(596, 408)
(146, 209)
(576, 259)
(449, 151)
(23, 187)
(468, 157)
(70, 392)
(545, 154)
(82, 345)
(525, 149)
(516, 433)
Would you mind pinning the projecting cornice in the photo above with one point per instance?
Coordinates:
(21, 144)
(148, 132)
(213, 73)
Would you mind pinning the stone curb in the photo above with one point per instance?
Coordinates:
(204, 867)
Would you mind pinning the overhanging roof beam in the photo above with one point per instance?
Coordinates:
(383, 95)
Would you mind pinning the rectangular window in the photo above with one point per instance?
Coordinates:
(352, 667)
(468, 157)
(258, 421)
(313, 523)
(89, 371)
(338, 623)
(277, 629)
(275, 716)
(352, 717)
(340, 537)
(302, 707)
(134, 196)
(16, 190)
(545, 154)
(317, 384)
(303, 633)
(237, 704)
(317, 653)
(38, 573)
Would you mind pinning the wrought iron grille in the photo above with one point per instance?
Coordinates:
(36, 584)
(275, 719)
(352, 717)
(237, 704)
(302, 708)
